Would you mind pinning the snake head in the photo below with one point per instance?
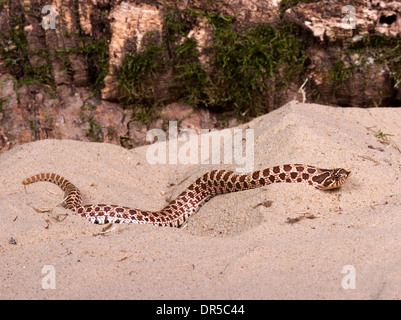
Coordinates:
(334, 178)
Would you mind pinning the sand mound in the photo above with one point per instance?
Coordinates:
(280, 241)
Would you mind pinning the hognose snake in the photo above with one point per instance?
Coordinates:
(215, 182)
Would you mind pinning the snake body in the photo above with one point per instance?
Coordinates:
(213, 183)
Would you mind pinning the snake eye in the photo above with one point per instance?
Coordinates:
(336, 176)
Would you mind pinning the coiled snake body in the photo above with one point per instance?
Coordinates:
(215, 182)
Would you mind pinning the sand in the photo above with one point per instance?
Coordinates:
(284, 241)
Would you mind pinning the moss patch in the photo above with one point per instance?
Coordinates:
(16, 56)
(138, 80)
(249, 66)
(138, 74)
(94, 132)
(35, 67)
(372, 49)
(246, 67)
(97, 56)
(287, 4)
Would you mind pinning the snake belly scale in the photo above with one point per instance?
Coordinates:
(213, 183)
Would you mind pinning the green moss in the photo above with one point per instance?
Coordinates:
(4, 3)
(340, 74)
(3, 104)
(16, 56)
(246, 66)
(387, 52)
(63, 57)
(97, 56)
(176, 24)
(138, 79)
(376, 48)
(32, 125)
(94, 132)
(137, 74)
(190, 81)
(286, 4)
